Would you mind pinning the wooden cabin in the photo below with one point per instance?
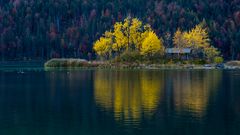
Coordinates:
(181, 53)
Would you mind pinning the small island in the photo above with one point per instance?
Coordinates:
(133, 44)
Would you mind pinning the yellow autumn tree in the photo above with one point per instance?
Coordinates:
(126, 29)
(211, 52)
(120, 40)
(145, 33)
(103, 46)
(152, 45)
(178, 40)
(130, 37)
(197, 38)
(135, 31)
(130, 31)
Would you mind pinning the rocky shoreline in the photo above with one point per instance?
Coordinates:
(84, 64)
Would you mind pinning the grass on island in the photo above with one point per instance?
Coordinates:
(126, 63)
(70, 63)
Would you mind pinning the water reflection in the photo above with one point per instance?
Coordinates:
(92, 102)
(192, 90)
(130, 95)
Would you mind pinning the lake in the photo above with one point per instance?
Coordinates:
(119, 102)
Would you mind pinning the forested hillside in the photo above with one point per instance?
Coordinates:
(42, 29)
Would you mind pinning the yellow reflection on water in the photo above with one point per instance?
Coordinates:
(192, 91)
(129, 94)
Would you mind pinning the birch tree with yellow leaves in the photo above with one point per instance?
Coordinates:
(211, 53)
(197, 38)
(119, 39)
(103, 45)
(129, 33)
(178, 40)
(152, 45)
(129, 36)
(135, 33)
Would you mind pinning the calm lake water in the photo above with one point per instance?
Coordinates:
(105, 102)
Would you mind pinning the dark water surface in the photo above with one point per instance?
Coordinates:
(103, 102)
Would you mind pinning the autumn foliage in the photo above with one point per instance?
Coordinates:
(129, 36)
(198, 40)
(38, 29)
(152, 45)
(132, 36)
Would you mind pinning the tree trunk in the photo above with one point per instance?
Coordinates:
(233, 52)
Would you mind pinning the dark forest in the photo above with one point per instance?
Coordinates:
(44, 29)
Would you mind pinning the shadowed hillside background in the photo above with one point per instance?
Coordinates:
(43, 29)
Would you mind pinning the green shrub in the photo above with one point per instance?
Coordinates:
(66, 63)
(199, 62)
(218, 60)
(116, 59)
(170, 62)
(130, 57)
(186, 62)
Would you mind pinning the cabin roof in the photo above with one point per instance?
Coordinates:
(178, 50)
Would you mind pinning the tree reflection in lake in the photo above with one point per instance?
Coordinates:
(192, 90)
(92, 102)
(130, 95)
